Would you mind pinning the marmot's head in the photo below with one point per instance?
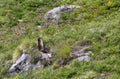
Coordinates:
(39, 39)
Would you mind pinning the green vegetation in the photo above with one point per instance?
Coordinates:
(64, 51)
(96, 23)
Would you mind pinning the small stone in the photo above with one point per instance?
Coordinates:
(39, 26)
(84, 58)
(20, 20)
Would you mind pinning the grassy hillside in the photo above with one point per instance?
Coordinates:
(96, 23)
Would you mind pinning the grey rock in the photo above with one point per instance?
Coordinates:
(55, 14)
(23, 64)
(84, 58)
(82, 55)
(82, 52)
(47, 57)
(38, 65)
(20, 20)
(23, 60)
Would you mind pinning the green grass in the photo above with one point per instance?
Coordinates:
(96, 23)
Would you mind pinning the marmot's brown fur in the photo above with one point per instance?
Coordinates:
(42, 47)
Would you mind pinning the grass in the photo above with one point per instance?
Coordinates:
(96, 23)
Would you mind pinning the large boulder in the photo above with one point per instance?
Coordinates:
(23, 64)
(55, 14)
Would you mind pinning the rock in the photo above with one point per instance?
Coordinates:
(81, 54)
(84, 58)
(23, 64)
(55, 14)
(39, 27)
(101, 76)
(20, 64)
(47, 57)
(38, 65)
(20, 20)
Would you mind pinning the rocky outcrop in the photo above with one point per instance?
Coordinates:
(26, 62)
(23, 64)
(81, 54)
(55, 14)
